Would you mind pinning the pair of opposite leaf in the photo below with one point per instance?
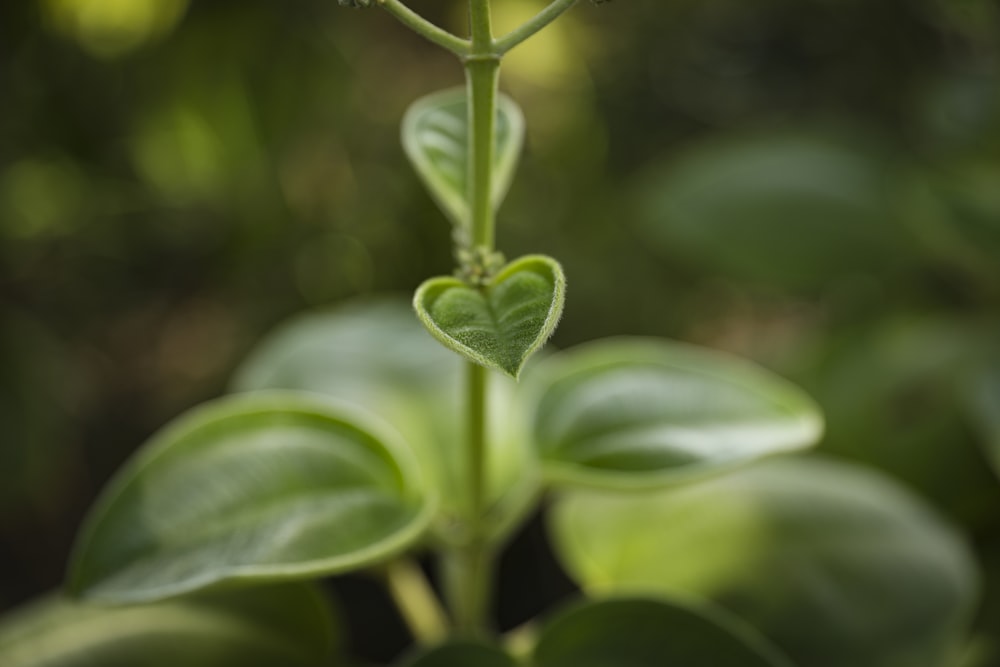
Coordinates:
(502, 322)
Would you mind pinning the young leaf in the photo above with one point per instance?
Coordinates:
(256, 488)
(502, 324)
(834, 564)
(641, 632)
(644, 413)
(460, 654)
(376, 355)
(286, 625)
(435, 138)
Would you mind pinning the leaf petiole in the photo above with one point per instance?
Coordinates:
(416, 601)
(533, 25)
(425, 28)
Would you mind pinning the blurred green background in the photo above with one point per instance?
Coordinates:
(814, 184)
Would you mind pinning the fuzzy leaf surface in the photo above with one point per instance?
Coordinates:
(436, 137)
(835, 564)
(646, 413)
(502, 324)
(250, 488)
(286, 625)
(642, 632)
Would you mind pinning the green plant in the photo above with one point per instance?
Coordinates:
(355, 441)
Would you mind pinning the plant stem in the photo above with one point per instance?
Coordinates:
(482, 77)
(471, 561)
(470, 565)
(476, 378)
(423, 27)
(416, 601)
(481, 26)
(523, 32)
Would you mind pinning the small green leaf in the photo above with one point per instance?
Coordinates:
(286, 625)
(435, 138)
(460, 654)
(377, 356)
(834, 564)
(650, 632)
(254, 487)
(644, 413)
(501, 325)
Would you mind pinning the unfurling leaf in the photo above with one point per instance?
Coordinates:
(436, 138)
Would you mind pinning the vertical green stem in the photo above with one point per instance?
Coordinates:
(476, 438)
(471, 564)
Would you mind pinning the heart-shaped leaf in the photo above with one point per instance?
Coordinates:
(436, 137)
(286, 625)
(376, 355)
(255, 487)
(642, 632)
(500, 325)
(460, 654)
(835, 564)
(645, 413)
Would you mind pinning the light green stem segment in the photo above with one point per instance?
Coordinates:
(482, 77)
(533, 25)
(471, 562)
(417, 602)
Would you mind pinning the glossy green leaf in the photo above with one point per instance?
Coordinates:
(501, 325)
(786, 209)
(255, 487)
(644, 413)
(287, 625)
(460, 654)
(650, 632)
(376, 355)
(835, 564)
(435, 138)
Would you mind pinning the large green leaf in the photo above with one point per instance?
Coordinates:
(835, 564)
(501, 324)
(255, 487)
(460, 654)
(643, 413)
(650, 632)
(435, 138)
(378, 356)
(794, 210)
(286, 625)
